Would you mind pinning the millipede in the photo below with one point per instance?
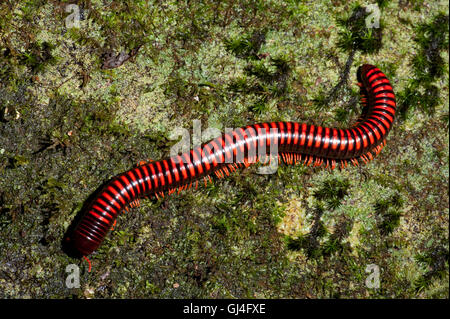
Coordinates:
(295, 143)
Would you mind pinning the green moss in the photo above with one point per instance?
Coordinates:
(428, 65)
(331, 192)
(246, 46)
(356, 35)
(301, 242)
(333, 245)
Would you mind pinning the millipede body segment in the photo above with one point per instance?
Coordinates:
(293, 142)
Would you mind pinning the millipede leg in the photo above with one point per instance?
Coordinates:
(89, 263)
(135, 203)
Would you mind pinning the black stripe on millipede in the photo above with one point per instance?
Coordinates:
(371, 120)
(330, 137)
(311, 131)
(371, 75)
(141, 181)
(130, 185)
(347, 139)
(196, 172)
(322, 143)
(154, 180)
(383, 102)
(183, 167)
(239, 142)
(342, 136)
(338, 148)
(380, 85)
(105, 208)
(173, 164)
(124, 188)
(361, 142)
(351, 153)
(96, 225)
(118, 201)
(197, 152)
(383, 110)
(100, 205)
(374, 136)
(377, 97)
(375, 116)
(321, 149)
(119, 192)
(97, 236)
(135, 183)
(377, 79)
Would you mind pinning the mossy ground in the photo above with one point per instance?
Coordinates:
(67, 126)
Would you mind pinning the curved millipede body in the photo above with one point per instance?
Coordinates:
(295, 142)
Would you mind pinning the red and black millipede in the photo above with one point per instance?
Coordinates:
(296, 142)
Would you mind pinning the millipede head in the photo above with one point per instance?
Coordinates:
(79, 245)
